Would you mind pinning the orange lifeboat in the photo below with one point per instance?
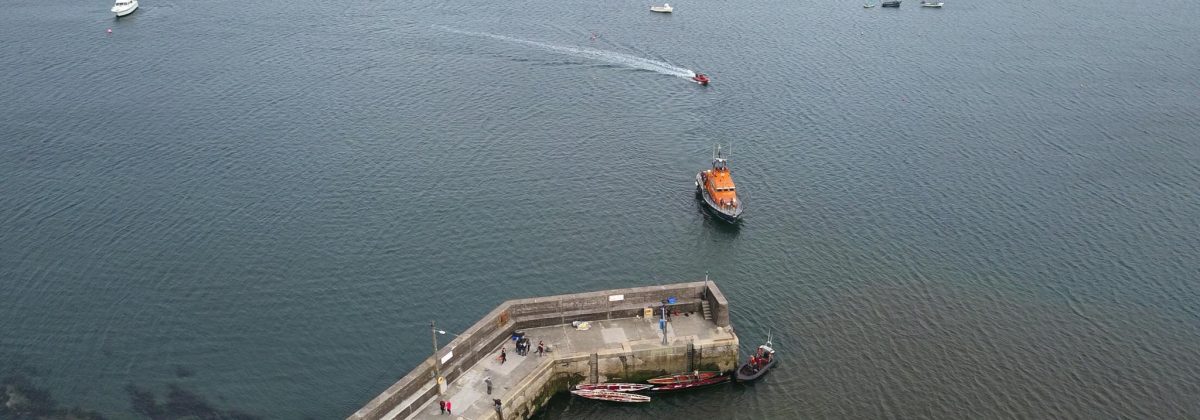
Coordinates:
(716, 187)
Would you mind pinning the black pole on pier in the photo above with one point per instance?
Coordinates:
(437, 370)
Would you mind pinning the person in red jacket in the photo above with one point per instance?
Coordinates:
(448, 410)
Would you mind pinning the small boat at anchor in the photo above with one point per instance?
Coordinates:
(124, 7)
(890, 4)
(716, 187)
(619, 387)
(606, 395)
(665, 8)
(678, 386)
(932, 4)
(701, 79)
(762, 361)
(683, 378)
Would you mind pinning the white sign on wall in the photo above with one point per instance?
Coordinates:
(616, 298)
(448, 355)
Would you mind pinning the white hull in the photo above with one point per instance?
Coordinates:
(125, 10)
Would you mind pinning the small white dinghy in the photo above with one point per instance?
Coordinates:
(665, 8)
(124, 7)
(931, 4)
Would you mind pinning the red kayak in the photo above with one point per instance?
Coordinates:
(682, 378)
(701, 79)
(619, 387)
(693, 384)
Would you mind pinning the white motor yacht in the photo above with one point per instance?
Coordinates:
(665, 8)
(124, 7)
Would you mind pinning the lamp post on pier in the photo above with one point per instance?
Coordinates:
(437, 370)
(438, 380)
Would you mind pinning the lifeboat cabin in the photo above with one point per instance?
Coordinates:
(716, 187)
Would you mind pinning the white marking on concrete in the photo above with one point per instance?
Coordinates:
(613, 335)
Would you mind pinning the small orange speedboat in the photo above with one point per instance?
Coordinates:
(716, 187)
(701, 79)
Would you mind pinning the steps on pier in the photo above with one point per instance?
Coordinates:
(704, 309)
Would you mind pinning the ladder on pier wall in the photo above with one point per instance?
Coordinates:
(594, 365)
(691, 357)
(704, 309)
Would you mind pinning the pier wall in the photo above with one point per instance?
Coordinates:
(416, 388)
(559, 374)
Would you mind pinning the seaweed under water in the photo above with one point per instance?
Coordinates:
(179, 403)
(22, 399)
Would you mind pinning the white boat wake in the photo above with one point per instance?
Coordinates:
(611, 57)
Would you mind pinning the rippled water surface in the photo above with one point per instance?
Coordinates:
(988, 210)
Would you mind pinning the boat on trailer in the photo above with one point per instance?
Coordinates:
(619, 387)
(606, 395)
(712, 380)
(683, 378)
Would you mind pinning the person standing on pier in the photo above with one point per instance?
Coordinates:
(541, 348)
(448, 410)
(442, 406)
(503, 356)
(488, 381)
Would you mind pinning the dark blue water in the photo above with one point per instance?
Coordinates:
(988, 210)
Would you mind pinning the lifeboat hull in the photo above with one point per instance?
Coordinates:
(728, 215)
(745, 373)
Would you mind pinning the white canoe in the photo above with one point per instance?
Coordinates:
(606, 395)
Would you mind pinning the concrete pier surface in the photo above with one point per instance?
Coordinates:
(621, 344)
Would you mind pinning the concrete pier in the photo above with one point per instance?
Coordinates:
(621, 345)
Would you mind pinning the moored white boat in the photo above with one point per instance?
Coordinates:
(937, 4)
(124, 7)
(665, 8)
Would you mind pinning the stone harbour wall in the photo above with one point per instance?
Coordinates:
(477, 342)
